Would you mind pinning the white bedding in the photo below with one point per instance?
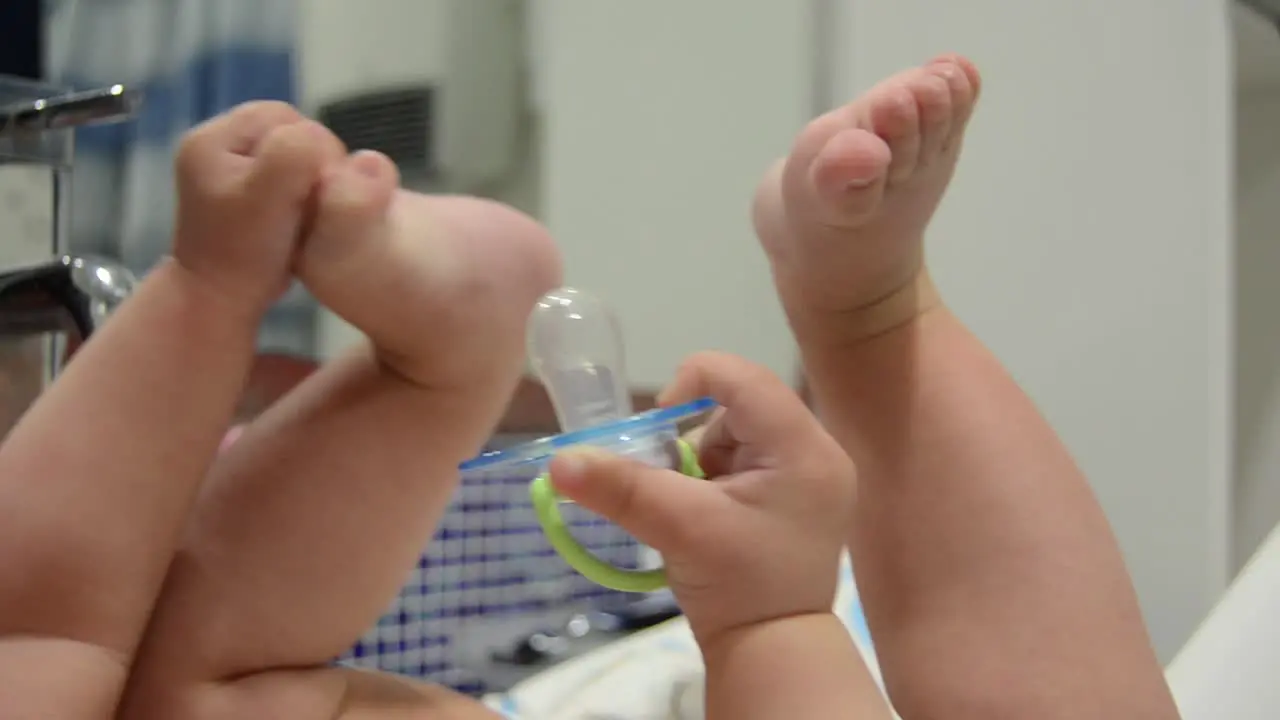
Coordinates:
(652, 675)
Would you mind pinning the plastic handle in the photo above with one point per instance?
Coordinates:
(547, 507)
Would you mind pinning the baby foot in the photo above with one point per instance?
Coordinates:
(442, 286)
(243, 181)
(843, 217)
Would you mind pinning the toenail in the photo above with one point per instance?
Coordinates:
(904, 103)
(367, 164)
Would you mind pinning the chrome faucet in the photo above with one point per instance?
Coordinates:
(51, 299)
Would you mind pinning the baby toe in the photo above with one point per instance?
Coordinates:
(932, 96)
(353, 200)
(963, 82)
(849, 176)
(891, 112)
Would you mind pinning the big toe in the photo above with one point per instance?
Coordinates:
(352, 204)
(848, 176)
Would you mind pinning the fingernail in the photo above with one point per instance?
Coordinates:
(572, 464)
(859, 183)
(568, 468)
(580, 460)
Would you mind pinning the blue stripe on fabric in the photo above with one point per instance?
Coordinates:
(210, 84)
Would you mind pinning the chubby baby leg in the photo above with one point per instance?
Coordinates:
(97, 479)
(310, 522)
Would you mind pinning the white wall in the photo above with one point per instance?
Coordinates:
(1087, 240)
(1257, 492)
(1227, 669)
(1257, 499)
(658, 119)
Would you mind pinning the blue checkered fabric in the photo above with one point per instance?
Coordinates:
(487, 562)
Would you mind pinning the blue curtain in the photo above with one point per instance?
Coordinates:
(193, 59)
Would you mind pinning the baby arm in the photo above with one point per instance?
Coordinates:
(752, 553)
(803, 667)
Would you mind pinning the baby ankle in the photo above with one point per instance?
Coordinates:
(866, 322)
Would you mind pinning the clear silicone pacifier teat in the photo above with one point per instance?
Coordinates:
(576, 349)
(575, 346)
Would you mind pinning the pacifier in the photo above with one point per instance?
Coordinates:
(575, 347)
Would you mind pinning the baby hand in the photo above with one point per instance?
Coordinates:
(761, 538)
(244, 182)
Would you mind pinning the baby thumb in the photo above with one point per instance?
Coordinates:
(655, 505)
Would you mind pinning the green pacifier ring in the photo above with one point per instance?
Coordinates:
(546, 504)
